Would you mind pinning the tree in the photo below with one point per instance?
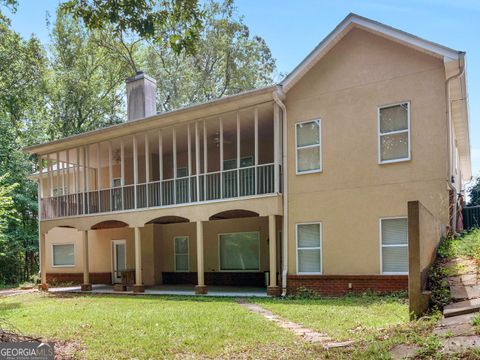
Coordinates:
(22, 119)
(474, 192)
(173, 23)
(227, 60)
(85, 82)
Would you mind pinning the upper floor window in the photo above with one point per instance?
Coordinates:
(309, 148)
(394, 133)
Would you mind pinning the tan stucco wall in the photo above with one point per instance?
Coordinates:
(353, 191)
(100, 249)
(157, 246)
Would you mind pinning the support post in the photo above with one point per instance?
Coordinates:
(138, 287)
(147, 169)
(201, 288)
(86, 286)
(256, 150)
(43, 272)
(197, 161)
(160, 166)
(135, 171)
(273, 289)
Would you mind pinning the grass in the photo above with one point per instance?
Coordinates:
(113, 327)
(349, 317)
(145, 327)
(467, 245)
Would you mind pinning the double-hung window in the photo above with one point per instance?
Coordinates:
(181, 254)
(309, 147)
(309, 248)
(63, 254)
(394, 133)
(394, 239)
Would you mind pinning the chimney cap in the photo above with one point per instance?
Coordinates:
(140, 75)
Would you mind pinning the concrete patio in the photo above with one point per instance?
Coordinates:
(185, 290)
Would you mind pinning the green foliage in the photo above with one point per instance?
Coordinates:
(467, 245)
(474, 192)
(476, 320)
(175, 23)
(227, 60)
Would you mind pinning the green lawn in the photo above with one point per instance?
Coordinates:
(350, 317)
(116, 327)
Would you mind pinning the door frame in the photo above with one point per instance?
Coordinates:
(114, 257)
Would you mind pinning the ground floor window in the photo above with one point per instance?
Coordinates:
(309, 248)
(181, 253)
(239, 251)
(63, 254)
(394, 240)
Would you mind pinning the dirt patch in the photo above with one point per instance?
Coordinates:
(64, 350)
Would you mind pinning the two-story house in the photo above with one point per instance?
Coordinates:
(306, 181)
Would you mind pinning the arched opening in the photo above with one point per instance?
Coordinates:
(168, 220)
(233, 214)
(109, 224)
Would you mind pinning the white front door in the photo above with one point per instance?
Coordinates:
(119, 262)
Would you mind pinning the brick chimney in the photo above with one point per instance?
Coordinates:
(141, 96)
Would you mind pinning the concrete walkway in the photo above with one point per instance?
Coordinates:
(184, 290)
(299, 330)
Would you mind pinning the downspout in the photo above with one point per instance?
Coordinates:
(276, 97)
(450, 134)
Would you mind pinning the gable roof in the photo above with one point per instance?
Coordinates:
(356, 21)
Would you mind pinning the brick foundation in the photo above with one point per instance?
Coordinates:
(333, 285)
(274, 291)
(201, 290)
(216, 278)
(77, 278)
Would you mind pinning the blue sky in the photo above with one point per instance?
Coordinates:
(293, 28)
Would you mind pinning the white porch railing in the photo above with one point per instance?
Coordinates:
(227, 184)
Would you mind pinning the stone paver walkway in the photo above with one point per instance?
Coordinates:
(305, 333)
(16, 291)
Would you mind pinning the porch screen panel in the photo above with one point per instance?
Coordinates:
(240, 251)
(63, 255)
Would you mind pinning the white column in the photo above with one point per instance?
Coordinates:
(110, 176)
(174, 152)
(67, 187)
(135, 170)
(272, 247)
(147, 168)
(205, 160)
(238, 154)
(160, 165)
(197, 160)
(40, 187)
(99, 177)
(221, 158)
(276, 148)
(86, 286)
(189, 166)
(256, 150)
(122, 171)
(138, 261)
(200, 288)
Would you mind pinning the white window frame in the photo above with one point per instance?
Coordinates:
(319, 248)
(379, 134)
(53, 255)
(175, 254)
(390, 245)
(259, 252)
(319, 145)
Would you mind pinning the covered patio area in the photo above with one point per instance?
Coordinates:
(174, 289)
